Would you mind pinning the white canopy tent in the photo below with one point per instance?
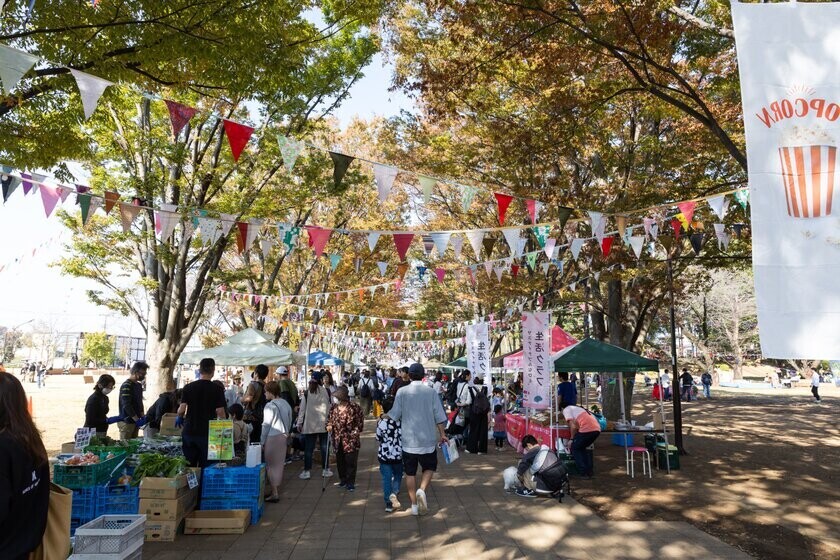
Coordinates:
(247, 348)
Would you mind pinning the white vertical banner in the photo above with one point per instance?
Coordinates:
(789, 60)
(478, 351)
(536, 359)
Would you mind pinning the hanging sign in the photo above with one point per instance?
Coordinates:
(789, 66)
(478, 351)
(536, 359)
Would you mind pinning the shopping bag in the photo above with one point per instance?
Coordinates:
(220, 440)
(450, 452)
(253, 455)
(56, 540)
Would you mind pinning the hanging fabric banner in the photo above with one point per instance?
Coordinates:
(457, 244)
(341, 163)
(373, 239)
(503, 201)
(91, 89)
(13, 65)
(789, 63)
(720, 204)
(402, 241)
(475, 238)
(534, 208)
(536, 359)
(478, 351)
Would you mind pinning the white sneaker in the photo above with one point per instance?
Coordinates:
(327, 473)
(304, 475)
(415, 510)
(421, 501)
(395, 503)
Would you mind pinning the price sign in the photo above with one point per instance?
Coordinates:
(83, 436)
(192, 480)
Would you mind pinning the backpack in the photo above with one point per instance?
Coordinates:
(480, 403)
(364, 387)
(452, 392)
(255, 409)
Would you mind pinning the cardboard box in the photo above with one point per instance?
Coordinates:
(69, 447)
(167, 425)
(166, 488)
(162, 531)
(169, 510)
(230, 522)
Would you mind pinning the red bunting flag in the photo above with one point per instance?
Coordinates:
(241, 235)
(503, 200)
(514, 270)
(180, 115)
(606, 245)
(677, 226)
(440, 273)
(402, 242)
(238, 135)
(687, 209)
(318, 238)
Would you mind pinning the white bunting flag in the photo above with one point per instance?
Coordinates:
(373, 239)
(722, 236)
(488, 268)
(499, 270)
(13, 65)
(576, 246)
(266, 245)
(227, 221)
(441, 241)
(384, 175)
(544, 266)
(254, 227)
(597, 222)
(636, 242)
(91, 89)
(383, 266)
(550, 246)
(512, 239)
(720, 205)
(457, 245)
(475, 238)
(166, 219)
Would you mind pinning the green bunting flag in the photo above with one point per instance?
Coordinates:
(563, 215)
(84, 203)
(467, 196)
(541, 233)
(532, 261)
(743, 197)
(342, 163)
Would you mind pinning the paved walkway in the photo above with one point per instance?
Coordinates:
(470, 517)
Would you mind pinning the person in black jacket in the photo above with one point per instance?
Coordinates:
(167, 403)
(96, 408)
(131, 402)
(24, 475)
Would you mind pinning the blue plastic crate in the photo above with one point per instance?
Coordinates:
(117, 500)
(232, 482)
(84, 504)
(224, 504)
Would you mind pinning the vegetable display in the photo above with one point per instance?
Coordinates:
(157, 465)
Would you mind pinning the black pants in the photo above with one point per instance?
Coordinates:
(195, 450)
(346, 463)
(500, 442)
(477, 438)
(256, 432)
(579, 444)
(816, 392)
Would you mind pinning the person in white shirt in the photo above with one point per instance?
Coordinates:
(665, 380)
(276, 426)
(815, 386)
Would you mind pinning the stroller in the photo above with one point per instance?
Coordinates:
(453, 430)
(553, 481)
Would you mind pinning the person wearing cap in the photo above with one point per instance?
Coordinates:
(345, 424)
(288, 387)
(422, 418)
(312, 423)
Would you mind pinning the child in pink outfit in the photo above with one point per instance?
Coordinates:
(499, 427)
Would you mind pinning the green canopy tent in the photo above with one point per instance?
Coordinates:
(591, 355)
(460, 363)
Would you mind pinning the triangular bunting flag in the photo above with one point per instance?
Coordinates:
(402, 241)
(13, 65)
(532, 261)
(737, 228)
(499, 270)
(290, 149)
(475, 238)
(427, 185)
(10, 184)
(597, 222)
(30, 181)
(49, 196)
(637, 242)
(576, 246)
(544, 266)
(238, 135)
(266, 245)
(63, 192)
(334, 260)
(383, 266)
(606, 245)
(648, 227)
(722, 236)
(676, 225)
(179, 115)
(165, 220)
(241, 236)
(428, 245)
(743, 197)
(373, 239)
(489, 243)
(254, 227)
(318, 238)
(384, 175)
(683, 222)
(457, 245)
(84, 204)
(402, 268)
(687, 210)
(520, 247)
(91, 89)
(719, 204)
(226, 221)
(111, 198)
(421, 271)
(128, 212)
(341, 163)
(563, 214)
(550, 245)
(467, 196)
(621, 224)
(512, 239)
(503, 201)
(514, 270)
(488, 268)
(441, 241)
(534, 208)
(440, 273)
(696, 240)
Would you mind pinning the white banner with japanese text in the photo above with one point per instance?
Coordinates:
(536, 359)
(789, 60)
(478, 351)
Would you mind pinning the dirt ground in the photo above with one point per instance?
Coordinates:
(761, 473)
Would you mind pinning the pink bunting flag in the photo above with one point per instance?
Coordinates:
(402, 241)
(49, 196)
(180, 115)
(687, 209)
(318, 238)
(534, 207)
(63, 192)
(503, 201)
(440, 273)
(238, 135)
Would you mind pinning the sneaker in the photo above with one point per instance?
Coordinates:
(327, 473)
(389, 509)
(467, 451)
(350, 488)
(297, 458)
(421, 501)
(415, 510)
(526, 493)
(288, 461)
(395, 502)
(304, 475)
(340, 484)
(479, 453)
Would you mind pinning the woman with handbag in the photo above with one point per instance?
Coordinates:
(24, 475)
(463, 400)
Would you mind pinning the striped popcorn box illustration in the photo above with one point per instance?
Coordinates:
(809, 171)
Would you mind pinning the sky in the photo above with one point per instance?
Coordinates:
(33, 292)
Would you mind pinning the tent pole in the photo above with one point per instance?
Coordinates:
(621, 396)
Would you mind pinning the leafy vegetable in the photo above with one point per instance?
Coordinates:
(155, 464)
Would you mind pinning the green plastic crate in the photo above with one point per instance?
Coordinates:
(85, 476)
(130, 449)
(673, 457)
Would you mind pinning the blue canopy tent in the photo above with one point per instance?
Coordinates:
(321, 358)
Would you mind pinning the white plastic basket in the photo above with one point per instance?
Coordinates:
(114, 535)
(133, 553)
